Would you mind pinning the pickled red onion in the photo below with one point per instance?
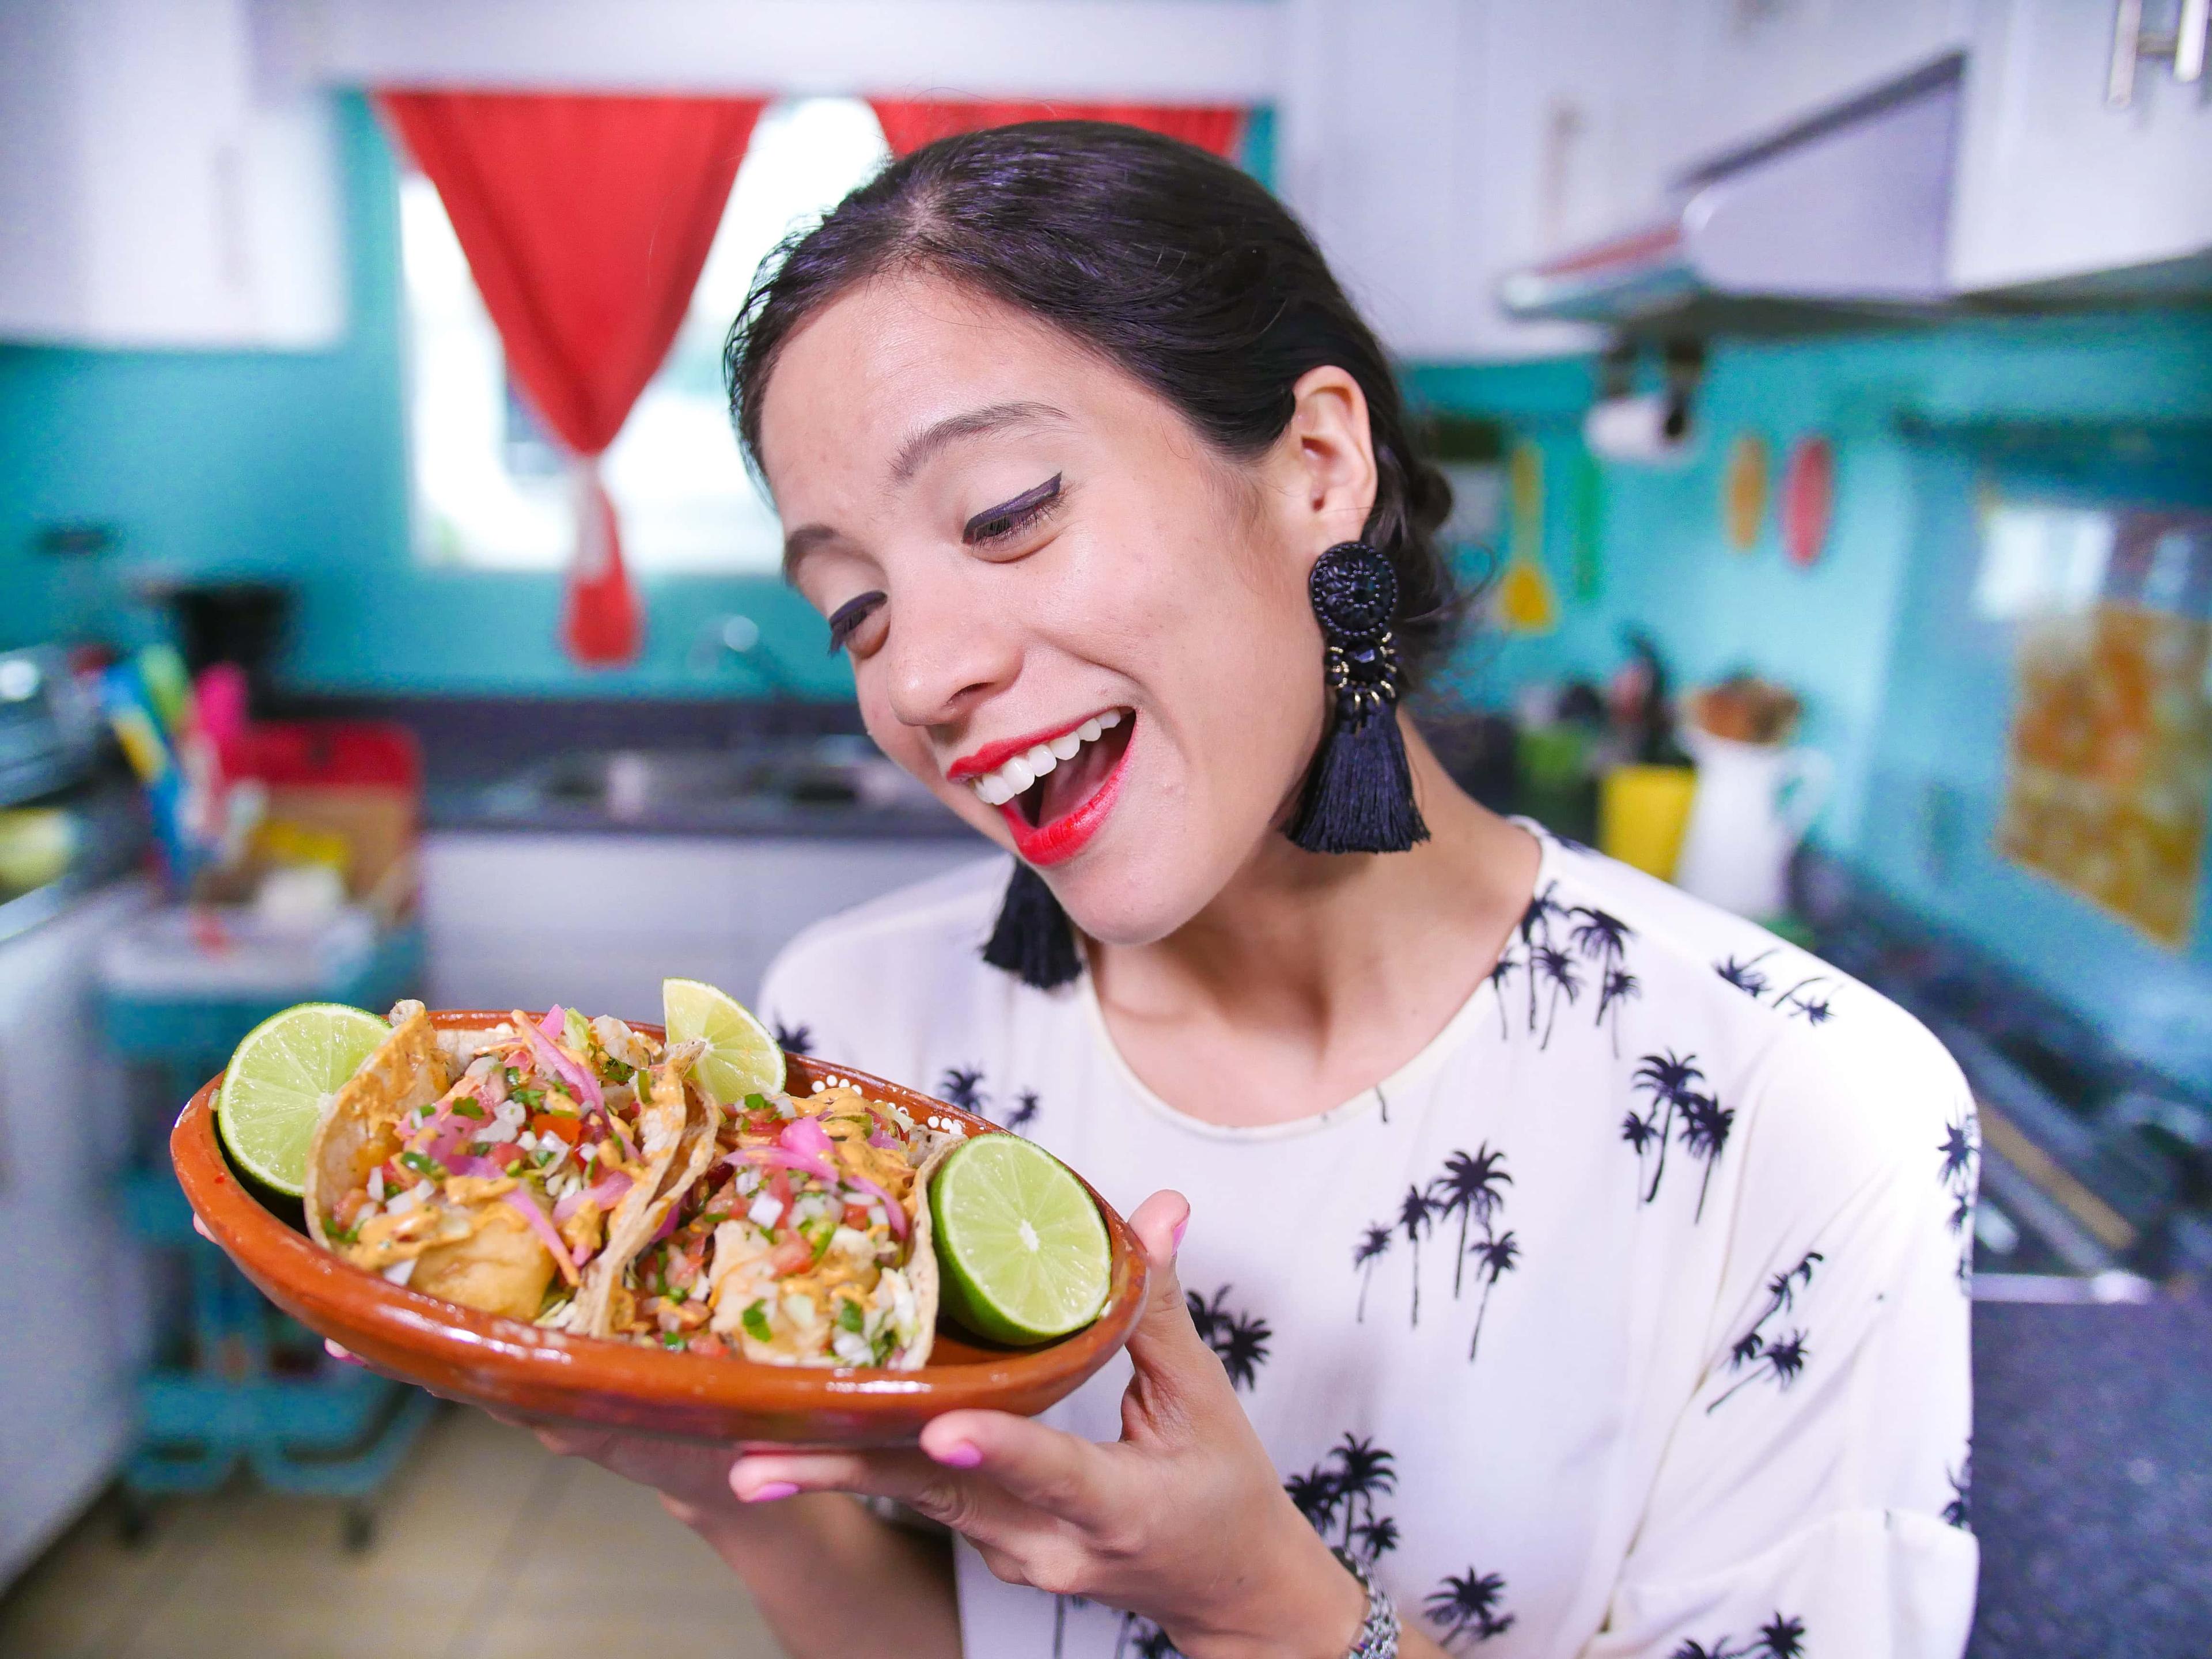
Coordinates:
(606, 1192)
(527, 1208)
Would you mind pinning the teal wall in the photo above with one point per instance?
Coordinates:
(293, 466)
(1904, 686)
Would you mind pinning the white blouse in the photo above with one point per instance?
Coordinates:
(1628, 1317)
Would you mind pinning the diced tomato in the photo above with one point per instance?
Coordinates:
(711, 1345)
(779, 1187)
(559, 1124)
(856, 1215)
(791, 1256)
(509, 1155)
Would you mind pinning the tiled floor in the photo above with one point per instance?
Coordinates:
(486, 1547)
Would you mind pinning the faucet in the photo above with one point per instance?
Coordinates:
(733, 636)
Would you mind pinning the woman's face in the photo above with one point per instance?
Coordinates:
(1034, 559)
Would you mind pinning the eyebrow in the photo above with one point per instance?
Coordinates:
(992, 418)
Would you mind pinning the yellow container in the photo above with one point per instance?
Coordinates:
(1642, 812)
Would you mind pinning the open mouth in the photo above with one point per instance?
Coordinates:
(1055, 791)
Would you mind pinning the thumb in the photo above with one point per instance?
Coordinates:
(1166, 1346)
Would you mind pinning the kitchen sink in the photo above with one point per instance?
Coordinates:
(818, 776)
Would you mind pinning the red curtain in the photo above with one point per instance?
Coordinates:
(910, 123)
(586, 220)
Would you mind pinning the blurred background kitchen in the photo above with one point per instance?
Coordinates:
(1827, 389)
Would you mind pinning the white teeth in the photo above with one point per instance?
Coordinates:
(996, 788)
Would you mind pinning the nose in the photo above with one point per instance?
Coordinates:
(946, 653)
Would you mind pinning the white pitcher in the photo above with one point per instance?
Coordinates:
(1755, 803)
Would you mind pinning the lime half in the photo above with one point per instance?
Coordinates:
(279, 1080)
(741, 1059)
(1023, 1249)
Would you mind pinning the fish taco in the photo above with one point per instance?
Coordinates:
(514, 1168)
(806, 1241)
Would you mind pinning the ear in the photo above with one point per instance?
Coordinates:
(1327, 460)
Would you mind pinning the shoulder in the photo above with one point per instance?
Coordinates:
(1823, 1060)
(865, 984)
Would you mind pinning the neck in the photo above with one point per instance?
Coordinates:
(1337, 964)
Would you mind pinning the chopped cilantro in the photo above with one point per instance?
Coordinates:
(467, 1108)
(673, 1339)
(423, 1165)
(849, 1316)
(818, 1233)
(755, 1320)
(615, 1072)
(756, 1103)
(513, 1077)
(531, 1098)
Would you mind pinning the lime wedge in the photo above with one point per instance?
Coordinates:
(741, 1059)
(278, 1080)
(1022, 1247)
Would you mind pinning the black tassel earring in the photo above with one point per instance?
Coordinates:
(1359, 794)
(1033, 938)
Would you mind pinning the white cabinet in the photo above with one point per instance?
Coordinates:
(157, 189)
(597, 921)
(71, 1307)
(1741, 70)
(2054, 182)
(1412, 142)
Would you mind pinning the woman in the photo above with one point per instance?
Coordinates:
(1581, 1266)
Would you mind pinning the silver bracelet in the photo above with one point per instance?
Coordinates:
(1378, 1631)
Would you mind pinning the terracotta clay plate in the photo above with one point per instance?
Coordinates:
(519, 1370)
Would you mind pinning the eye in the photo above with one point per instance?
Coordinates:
(995, 526)
(849, 618)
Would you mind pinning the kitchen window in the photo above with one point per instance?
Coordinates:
(491, 490)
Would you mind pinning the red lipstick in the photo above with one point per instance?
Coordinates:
(1043, 844)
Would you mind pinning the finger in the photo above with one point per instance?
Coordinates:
(1060, 1473)
(200, 1227)
(958, 1498)
(346, 1355)
(1166, 1347)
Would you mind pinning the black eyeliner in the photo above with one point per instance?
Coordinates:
(1006, 513)
(849, 616)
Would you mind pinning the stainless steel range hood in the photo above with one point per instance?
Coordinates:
(1845, 212)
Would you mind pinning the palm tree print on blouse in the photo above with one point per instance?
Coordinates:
(1468, 1188)
(1777, 1638)
(1680, 1113)
(1464, 1609)
(793, 1039)
(1551, 935)
(1340, 1490)
(1779, 1358)
(1416, 1214)
(1959, 1511)
(1804, 1000)
(962, 1086)
(1961, 1151)
(1374, 1244)
(1025, 1112)
(1240, 1340)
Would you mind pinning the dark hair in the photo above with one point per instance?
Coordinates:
(1173, 264)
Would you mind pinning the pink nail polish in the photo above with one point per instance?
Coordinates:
(773, 1491)
(1180, 1228)
(958, 1456)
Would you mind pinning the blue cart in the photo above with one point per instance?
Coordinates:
(238, 1382)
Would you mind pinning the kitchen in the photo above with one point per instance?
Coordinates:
(1839, 378)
